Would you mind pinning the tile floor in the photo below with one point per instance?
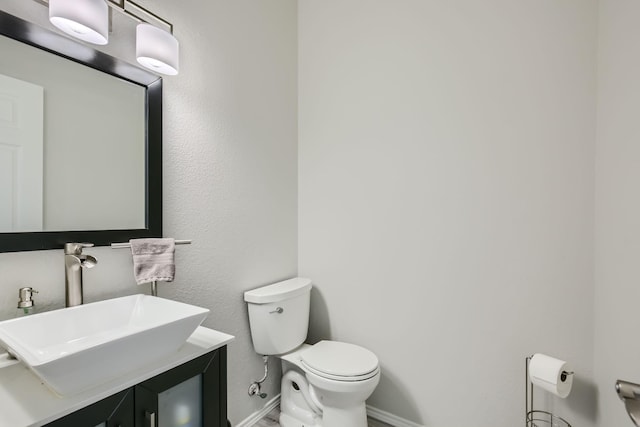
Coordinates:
(271, 420)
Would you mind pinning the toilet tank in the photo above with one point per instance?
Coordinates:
(279, 315)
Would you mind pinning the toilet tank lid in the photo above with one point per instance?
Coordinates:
(278, 291)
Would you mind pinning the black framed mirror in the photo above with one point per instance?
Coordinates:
(69, 199)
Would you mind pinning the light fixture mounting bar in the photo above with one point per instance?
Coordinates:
(156, 47)
(132, 10)
(139, 13)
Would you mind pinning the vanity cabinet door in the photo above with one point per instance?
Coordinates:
(190, 395)
(114, 411)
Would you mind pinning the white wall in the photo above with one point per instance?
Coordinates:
(617, 349)
(229, 172)
(446, 190)
(446, 154)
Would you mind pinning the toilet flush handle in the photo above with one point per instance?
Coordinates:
(278, 310)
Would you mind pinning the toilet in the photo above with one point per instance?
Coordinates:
(323, 385)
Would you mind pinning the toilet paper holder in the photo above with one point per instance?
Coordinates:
(537, 418)
(629, 393)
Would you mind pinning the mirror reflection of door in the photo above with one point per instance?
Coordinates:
(21, 154)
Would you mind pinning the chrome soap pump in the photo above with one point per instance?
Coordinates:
(26, 305)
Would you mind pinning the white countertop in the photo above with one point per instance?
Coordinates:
(26, 402)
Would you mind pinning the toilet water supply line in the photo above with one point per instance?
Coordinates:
(254, 388)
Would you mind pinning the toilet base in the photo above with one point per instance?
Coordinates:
(296, 406)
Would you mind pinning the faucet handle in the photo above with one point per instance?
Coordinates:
(75, 248)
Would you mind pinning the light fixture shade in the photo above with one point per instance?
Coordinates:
(87, 20)
(157, 49)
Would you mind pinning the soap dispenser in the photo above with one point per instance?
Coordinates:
(26, 305)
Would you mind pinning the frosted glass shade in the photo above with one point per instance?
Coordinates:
(157, 49)
(87, 20)
(181, 405)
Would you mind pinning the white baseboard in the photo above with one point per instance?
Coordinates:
(372, 412)
(258, 415)
(389, 418)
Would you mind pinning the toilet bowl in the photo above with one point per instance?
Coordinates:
(323, 385)
(339, 378)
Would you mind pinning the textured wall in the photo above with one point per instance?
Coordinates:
(229, 171)
(617, 349)
(446, 196)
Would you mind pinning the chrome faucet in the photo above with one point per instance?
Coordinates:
(74, 262)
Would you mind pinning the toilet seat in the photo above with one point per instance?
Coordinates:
(340, 361)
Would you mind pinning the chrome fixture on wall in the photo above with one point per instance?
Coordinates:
(629, 393)
(255, 387)
(89, 20)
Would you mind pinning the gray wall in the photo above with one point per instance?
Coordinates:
(446, 191)
(446, 196)
(229, 172)
(617, 349)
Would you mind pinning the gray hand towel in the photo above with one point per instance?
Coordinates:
(153, 260)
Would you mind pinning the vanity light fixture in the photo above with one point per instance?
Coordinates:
(89, 20)
(156, 49)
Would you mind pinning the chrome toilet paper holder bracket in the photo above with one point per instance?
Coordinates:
(537, 418)
(629, 393)
(565, 374)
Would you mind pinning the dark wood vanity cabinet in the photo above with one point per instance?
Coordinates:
(193, 394)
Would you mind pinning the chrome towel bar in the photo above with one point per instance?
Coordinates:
(128, 245)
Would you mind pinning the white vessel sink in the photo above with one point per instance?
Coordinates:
(76, 348)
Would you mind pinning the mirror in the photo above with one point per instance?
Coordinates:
(80, 143)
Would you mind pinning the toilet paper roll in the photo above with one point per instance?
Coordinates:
(550, 374)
